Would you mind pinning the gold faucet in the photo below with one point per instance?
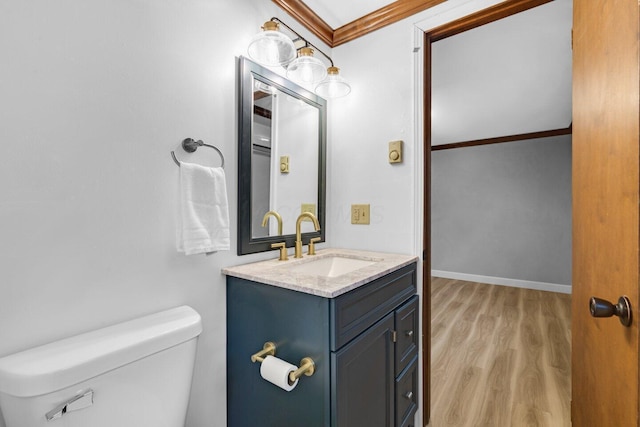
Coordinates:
(312, 217)
(277, 216)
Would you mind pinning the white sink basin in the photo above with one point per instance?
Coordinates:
(331, 266)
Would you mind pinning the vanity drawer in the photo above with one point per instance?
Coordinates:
(406, 398)
(407, 328)
(352, 313)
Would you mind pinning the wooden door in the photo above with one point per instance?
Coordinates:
(605, 210)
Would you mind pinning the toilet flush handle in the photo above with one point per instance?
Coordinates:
(80, 401)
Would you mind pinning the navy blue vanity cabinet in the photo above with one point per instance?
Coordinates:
(371, 387)
(364, 344)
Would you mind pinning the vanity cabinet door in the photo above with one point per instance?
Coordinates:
(363, 382)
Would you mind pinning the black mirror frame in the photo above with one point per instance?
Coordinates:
(247, 71)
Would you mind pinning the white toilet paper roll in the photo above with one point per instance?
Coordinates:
(276, 371)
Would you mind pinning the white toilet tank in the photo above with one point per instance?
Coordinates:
(133, 374)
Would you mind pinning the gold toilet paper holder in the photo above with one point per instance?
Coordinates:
(307, 365)
(269, 349)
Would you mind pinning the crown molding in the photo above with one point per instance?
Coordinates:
(373, 21)
(380, 18)
(308, 18)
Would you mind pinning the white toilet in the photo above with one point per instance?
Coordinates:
(133, 374)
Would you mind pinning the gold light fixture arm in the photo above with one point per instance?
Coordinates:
(306, 42)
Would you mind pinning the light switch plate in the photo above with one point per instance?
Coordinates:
(308, 207)
(360, 214)
(395, 152)
(284, 164)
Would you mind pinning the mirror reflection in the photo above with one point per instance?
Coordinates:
(282, 139)
(284, 170)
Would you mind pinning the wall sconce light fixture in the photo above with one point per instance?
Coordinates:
(306, 68)
(334, 85)
(272, 48)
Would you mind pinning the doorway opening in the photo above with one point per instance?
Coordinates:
(469, 157)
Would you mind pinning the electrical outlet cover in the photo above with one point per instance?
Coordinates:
(360, 214)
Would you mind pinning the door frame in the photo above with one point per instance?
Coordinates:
(477, 19)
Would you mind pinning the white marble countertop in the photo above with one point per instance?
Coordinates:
(278, 273)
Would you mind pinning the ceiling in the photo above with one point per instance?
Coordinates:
(337, 13)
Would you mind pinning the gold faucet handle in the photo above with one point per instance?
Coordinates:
(312, 245)
(283, 250)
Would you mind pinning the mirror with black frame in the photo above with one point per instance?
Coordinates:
(281, 159)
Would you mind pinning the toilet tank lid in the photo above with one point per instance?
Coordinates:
(63, 363)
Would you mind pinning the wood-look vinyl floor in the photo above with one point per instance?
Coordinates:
(500, 356)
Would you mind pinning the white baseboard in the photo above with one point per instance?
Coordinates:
(540, 286)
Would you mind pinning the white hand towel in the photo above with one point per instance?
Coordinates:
(203, 218)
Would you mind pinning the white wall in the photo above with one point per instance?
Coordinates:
(379, 109)
(93, 97)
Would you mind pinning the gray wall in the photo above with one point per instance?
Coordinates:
(504, 210)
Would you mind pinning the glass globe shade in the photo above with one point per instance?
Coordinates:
(306, 69)
(270, 47)
(334, 86)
